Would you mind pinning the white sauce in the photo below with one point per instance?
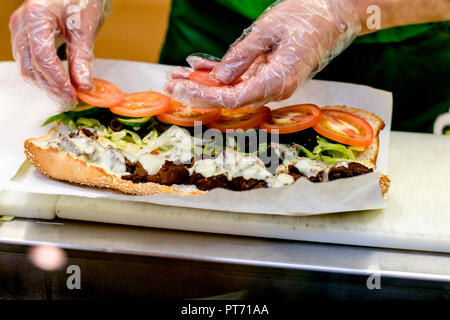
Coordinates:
(235, 164)
(341, 164)
(308, 167)
(249, 167)
(84, 144)
(177, 145)
(280, 180)
(151, 163)
(287, 154)
(111, 161)
(208, 167)
(108, 158)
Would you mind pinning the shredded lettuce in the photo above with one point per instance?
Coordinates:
(151, 136)
(7, 218)
(88, 122)
(332, 161)
(132, 137)
(124, 135)
(328, 152)
(335, 150)
(306, 152)
(116, 136)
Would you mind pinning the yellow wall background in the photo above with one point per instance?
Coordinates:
(135, 30)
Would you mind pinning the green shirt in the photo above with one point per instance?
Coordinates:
(413, 62)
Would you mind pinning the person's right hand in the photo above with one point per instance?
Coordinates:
(38, 27)
(287, 45)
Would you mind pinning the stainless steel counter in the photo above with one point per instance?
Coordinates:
(398, 268)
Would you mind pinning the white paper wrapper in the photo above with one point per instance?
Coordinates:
(25, 108)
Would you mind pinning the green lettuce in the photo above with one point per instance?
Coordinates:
(327, 151)
(55, 118)
(124, 135)
(134, 137)
(88, 122)
(306, 152)
(334, 150)
(150, 136)
(116, 136)
(69, 117)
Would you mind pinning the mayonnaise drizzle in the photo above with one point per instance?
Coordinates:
(177, 145)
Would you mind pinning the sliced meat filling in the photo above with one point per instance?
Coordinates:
(205, 184)
(89, 133)
(169, 174)
(351, 170)
(296, 174)
(241, 184)
(172, 173)
(354, 169)
(221, 181)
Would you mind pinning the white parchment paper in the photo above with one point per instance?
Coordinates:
(24, 108)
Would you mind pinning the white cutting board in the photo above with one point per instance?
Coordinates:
(417, 216)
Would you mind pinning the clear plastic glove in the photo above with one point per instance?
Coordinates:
(38, 27)
(288, 44)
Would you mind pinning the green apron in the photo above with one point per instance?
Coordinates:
(413, 62)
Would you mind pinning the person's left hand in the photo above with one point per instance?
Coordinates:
(38, 27)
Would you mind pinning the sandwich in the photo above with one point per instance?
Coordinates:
(146, 143)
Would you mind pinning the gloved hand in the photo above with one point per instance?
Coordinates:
(288, 44)
(38, 27)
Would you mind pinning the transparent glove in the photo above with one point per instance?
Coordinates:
(287, 45)
(38, 27)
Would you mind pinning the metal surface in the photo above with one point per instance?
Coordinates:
(292, 255)
(416, 217)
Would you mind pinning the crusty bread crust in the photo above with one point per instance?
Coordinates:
(385, 182)
(61, 165)
(370, 154)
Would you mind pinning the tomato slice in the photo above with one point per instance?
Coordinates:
(292, 119)
(202, 77)
(142, 104)
(345, 127)
(104, 95)
(243, 118)
(187, 116)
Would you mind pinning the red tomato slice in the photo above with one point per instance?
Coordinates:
(243, 118)
(142, 104)
(202, 77)
(104, 95)
(187, 116)
(345, 127)
(292, 119)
